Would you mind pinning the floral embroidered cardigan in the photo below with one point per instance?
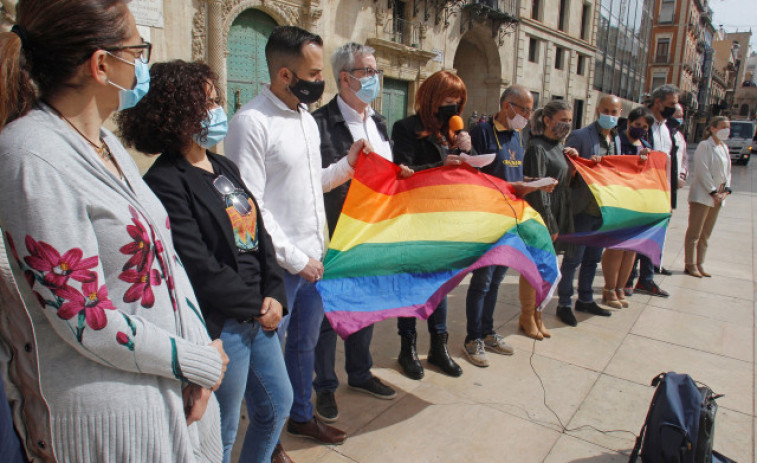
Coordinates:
(108, 320)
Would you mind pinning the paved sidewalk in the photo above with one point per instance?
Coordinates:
(597, 374)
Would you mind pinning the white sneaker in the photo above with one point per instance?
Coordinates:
(475, 352)
(496, 343)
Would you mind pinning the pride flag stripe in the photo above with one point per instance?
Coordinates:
(401, 244)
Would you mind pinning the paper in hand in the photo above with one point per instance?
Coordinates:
(542, 182)
(480, 160)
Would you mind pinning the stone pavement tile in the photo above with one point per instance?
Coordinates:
(333, 456)
(734, 435)
(586, 345)
(417, 431)
(570, 449)
(299, 448)
(621, 319)
(715, 336)
(725, 268)
(639, 359)
(613, 404)
(734, 287)
(509, 384)
(705, 304)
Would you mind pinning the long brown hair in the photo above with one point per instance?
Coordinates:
(713, 125)
(549, 110)
(52, 39)
(432, 92)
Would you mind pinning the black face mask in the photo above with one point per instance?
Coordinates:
(446, 112)
(306, 91)
(673, 123)
(667, 112)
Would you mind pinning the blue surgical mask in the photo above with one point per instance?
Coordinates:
(369, 88)
(607, 122)
(129, 98)
(216, 126)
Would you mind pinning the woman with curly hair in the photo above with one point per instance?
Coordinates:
(220, 236)
(109, 358)
(423, 141)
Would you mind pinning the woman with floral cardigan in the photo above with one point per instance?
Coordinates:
(111, 358)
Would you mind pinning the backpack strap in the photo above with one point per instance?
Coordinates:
(637, 446)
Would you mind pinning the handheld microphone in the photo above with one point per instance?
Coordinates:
(456, 125)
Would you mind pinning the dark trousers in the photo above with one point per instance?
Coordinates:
(481, 301)
(10, 444)
(437, 322)
(642, 268)
(357, 357)
(588, 257)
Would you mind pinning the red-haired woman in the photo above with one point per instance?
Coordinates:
(423, 141)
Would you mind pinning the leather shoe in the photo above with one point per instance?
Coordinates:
(592, 308)
(566, 315)
(280, 456)
(317, 430)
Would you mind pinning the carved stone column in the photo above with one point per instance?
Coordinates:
(216, 52)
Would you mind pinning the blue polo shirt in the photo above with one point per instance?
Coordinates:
(491, 137)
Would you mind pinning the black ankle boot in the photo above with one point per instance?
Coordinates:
(439, 356)
(408, 357)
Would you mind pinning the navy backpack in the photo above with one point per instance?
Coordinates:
(680, 423)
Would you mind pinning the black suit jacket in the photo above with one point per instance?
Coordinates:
(336, 140)
(416, 153)
(204, 238)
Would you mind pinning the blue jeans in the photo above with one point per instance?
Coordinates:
(357, 358)
(437, 322)
(644, 265)
(299, 332)
(256, 372)
(10, 443)
(481, 300)
(588, 257)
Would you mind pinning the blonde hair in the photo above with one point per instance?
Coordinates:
(713, 125)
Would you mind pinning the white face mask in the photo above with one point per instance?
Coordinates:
(518, 122)
(723, 134)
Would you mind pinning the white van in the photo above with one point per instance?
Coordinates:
(741, 142)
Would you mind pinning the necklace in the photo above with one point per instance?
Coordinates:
(102, 151)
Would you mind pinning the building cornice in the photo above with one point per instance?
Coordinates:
(588, 47)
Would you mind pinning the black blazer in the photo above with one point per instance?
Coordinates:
(336, 140)
(204, 240)
(416, 153)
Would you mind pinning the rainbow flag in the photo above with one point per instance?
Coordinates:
(634, 199)
(402, 244)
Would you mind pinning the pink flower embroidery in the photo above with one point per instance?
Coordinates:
(123, 339)
(57, 269)
(93, 301)
(140, 247)
(142, 283)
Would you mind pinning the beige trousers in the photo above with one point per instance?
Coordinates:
(701, 222)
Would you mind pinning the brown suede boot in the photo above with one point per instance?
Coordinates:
(540, 324)
(527, 320)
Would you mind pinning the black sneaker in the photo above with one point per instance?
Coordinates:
(325, 407)
(566, 315)
(376, 388)
(650, 288)
(662, 271)
(592, 308)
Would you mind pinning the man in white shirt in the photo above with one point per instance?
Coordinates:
(664, 101)
(346, 118)
(275, 142)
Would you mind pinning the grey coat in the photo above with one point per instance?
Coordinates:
(100, 313)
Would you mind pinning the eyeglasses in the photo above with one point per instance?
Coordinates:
(232, 195)
(144, 49)
(522, 108)
(369, 72)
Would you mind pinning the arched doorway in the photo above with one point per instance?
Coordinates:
(478, 64)
(246, 69)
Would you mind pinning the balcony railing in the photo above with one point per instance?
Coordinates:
(404, 32)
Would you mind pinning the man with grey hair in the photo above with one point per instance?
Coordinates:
(664, 102)
(348, 117)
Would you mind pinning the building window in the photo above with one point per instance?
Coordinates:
(662, 51)
(658, 80)
(585, 21)
(578, 113)
(536, 96)
(536, 9)
(667, 11)
(559, 53)
(533, 50)
(581, 67)
(562, 22)
(557, 97)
